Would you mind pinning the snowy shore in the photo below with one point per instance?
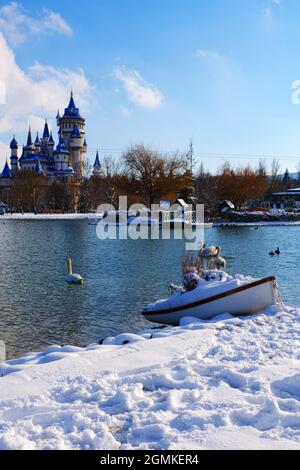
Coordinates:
(232, 383)
(32, 216)
(92, 217)
(258, 224)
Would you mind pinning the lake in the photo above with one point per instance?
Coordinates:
(38, 308)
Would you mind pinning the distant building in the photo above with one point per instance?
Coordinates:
(97, 170)
(286, 198)
(226, 206)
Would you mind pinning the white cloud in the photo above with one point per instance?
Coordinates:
(270, 9)
(32, 95)
(16, 24)
(208, 54)
(138, 90)
(268, 12)
(126, 112)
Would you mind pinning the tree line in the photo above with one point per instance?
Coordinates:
(146, 176)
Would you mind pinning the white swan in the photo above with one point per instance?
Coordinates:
(73, 278)
(209, 251)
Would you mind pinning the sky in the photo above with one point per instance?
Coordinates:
(223, 73)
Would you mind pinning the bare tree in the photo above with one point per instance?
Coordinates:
(155, 175)
(275, 168)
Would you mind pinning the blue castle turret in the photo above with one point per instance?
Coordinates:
(97, 171)
(14, 161)
(6, 173)
(46, 133)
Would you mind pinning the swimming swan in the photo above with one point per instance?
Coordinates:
(73, 278)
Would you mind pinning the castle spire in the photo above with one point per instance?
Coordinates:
(29, 138)
(14, 144)
(97, 166)
(46, 134)
(37, 142)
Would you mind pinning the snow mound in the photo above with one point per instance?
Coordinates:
(230, 383)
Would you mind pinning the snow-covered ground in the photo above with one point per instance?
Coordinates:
(232, 383)
(257, 224)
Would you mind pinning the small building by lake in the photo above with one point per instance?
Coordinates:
(289, 198)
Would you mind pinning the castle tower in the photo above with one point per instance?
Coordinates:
(61, 156)
(37, 144)
(72, 129)
(97, 171)
(29, 147)
(14, 161)
(51, 144)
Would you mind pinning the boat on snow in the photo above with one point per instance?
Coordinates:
(219, 293)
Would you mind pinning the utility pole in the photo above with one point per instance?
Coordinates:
(190, 156)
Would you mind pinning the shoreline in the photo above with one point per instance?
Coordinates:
(94, 217)
(258, 224)
(54, 217)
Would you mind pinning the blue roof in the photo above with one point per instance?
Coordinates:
(46, 133)
(14, 144)
(71, 110)
(37, 142)
(51, 140)
(97, 163)
(29, 139)
(61, 148)
(6, 173)
(33, 157)
(76, 132)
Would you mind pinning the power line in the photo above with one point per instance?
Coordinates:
(196, 155)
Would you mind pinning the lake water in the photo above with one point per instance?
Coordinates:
(38, 308)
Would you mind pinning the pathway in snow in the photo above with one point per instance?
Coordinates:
(232, 383)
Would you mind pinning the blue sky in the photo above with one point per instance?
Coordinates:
(158, 72)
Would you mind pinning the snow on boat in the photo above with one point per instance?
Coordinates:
(216, 295)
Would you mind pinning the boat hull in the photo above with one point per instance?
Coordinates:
(248, 299)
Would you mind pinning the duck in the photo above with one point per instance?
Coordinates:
(272, 253)
(73, 278)
(277, 252)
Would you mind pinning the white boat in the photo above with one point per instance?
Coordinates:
(223, 294)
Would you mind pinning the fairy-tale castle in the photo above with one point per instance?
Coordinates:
(62, 162)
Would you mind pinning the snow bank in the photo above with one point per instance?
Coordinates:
(28, 217)
(230, 383)
(257, 224)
